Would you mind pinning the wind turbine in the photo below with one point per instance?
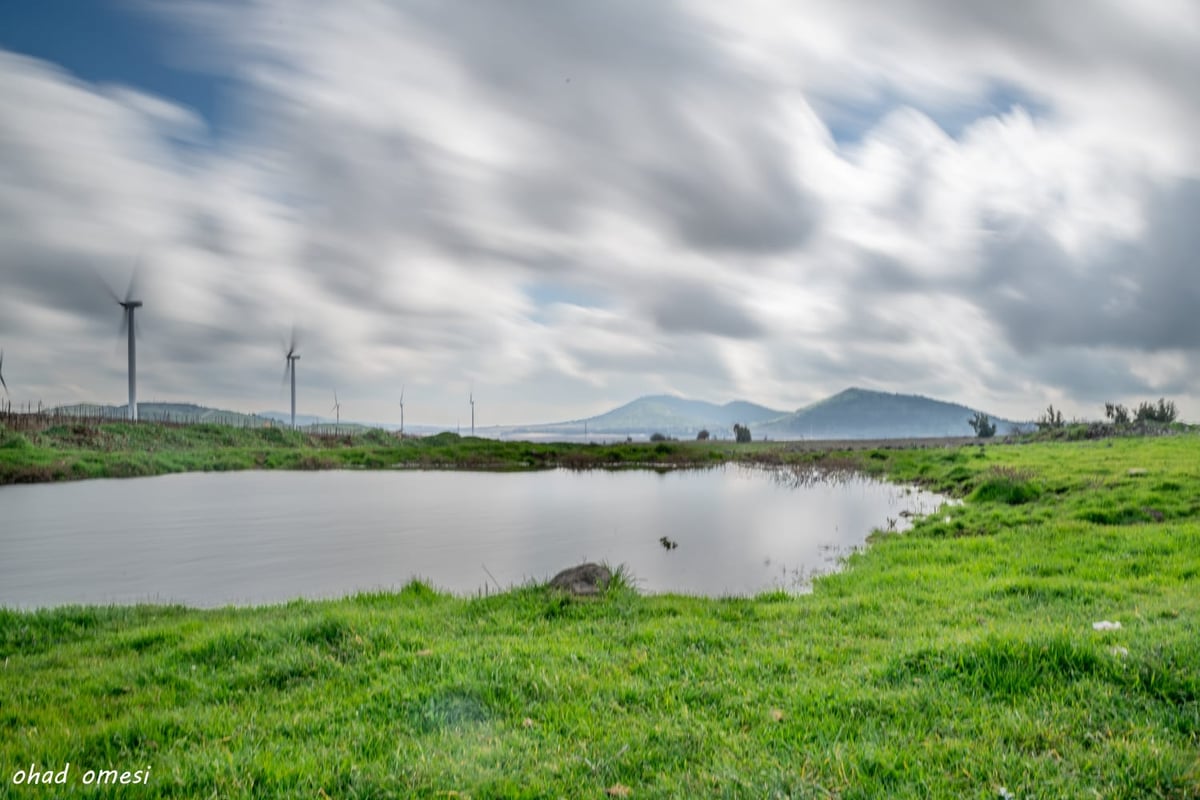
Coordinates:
(338, 408)
(401, 412)
(5, 385)
(472, 412)
(292, 357)
(129, 304)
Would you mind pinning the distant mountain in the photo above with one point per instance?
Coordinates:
(864, 414)
(665, 414)
(851, 414)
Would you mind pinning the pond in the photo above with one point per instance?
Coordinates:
(213, 539)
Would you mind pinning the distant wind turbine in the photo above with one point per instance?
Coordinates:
(129, 304)
(292, 357)
(472, 412)
(401, 412)
(337, 407)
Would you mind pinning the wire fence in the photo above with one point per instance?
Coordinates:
(36, 417)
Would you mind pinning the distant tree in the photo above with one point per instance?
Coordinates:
(1117, 414)
(702, 436)
(980, 423)
(1051, 419)
(658, 437)
(741, 433)
(1165, 411)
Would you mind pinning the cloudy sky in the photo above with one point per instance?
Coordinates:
(568, 204)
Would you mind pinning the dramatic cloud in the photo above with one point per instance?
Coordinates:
(566, 205)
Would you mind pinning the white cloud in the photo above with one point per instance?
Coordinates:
(407, 179)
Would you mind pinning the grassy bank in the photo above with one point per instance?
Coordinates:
(953, 661)
(75, 451)
(121, 449)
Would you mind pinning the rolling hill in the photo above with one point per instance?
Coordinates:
(851, 414)
(665, 414)
(165, 412)
(865, 414)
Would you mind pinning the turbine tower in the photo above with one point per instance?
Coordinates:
(129, 305)
(337, 407)
(2, 383)
(472, 412)
(401, 412)
(292, 357)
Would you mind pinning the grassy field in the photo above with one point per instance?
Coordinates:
(957, 660)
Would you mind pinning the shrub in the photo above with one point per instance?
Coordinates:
(702, 436)
(11, 440)
(1164, 411)
(1051, 419)
(983, 426)
(741, 433)
(1116, 414)
(657, 437)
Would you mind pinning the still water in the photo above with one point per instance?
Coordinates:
(211, 539)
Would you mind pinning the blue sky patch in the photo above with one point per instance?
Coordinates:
(850, 122)
(104, 41)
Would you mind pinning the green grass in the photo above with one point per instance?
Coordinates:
(122, 449)
(946, 662)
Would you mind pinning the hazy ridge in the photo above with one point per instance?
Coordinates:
(851, 414)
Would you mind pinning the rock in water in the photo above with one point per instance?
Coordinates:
(583, 579)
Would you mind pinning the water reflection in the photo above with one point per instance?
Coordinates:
(254, 537)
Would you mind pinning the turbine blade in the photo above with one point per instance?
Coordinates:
(134, 279)
(2, 383)
(104, 284)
